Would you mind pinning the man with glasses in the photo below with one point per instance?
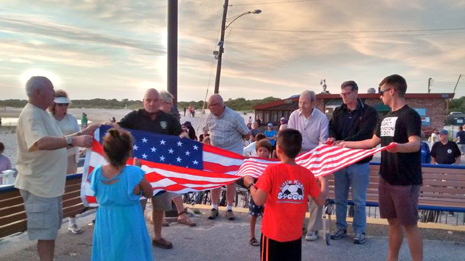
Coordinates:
(352, 121)
(227, 131)
(400, 170)
(313, 125)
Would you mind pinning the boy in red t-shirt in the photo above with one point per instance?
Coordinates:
(285, 188)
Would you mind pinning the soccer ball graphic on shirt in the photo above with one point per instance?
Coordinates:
(291, 190)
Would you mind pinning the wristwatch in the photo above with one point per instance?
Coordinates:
(69, 141)
(250, 185)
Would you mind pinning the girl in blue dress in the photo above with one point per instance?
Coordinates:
(120, 231)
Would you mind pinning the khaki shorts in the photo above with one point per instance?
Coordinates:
(399, 202)
(160, 202)
(44, 216)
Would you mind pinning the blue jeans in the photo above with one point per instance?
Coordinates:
(356, 176)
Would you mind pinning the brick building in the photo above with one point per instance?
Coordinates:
(432, 107)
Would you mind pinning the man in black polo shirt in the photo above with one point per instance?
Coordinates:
(400, 170)
(352, 121)
(152, 119)
(445, 151)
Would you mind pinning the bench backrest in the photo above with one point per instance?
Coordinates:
(443, 187)
(13, 216)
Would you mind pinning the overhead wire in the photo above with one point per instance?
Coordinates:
(276, 2)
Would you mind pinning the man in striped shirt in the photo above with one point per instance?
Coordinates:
(227, 131)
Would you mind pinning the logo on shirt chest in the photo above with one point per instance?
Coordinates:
(291, 191)
(163, 124)
(449, 151)
(388, 126)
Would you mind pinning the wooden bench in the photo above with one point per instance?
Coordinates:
(443, 188)
(13, 216)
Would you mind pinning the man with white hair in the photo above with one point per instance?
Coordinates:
(313, 125)
(227, 131)
(42, 162)
(166, 106)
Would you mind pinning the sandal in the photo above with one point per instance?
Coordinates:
(254, 242)
(162, 243)
(185, 221)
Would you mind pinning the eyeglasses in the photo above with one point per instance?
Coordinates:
(63, 104)
(383, 91)
(346, 94)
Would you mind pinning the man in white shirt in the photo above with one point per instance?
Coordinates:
(42, 162)
(313, 124)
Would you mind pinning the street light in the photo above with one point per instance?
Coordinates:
(219, 54)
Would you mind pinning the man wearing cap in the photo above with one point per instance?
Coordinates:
(227, 131)
(254, 131)
(313, 125)
(41, 164)
(283, 124)
(352, 121)
(445, 151)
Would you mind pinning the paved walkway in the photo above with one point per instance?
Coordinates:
(228, 240)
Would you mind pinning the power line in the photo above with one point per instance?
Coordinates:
(279, 2)
(350, 31)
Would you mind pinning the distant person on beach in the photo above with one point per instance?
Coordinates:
(5, 163)
(250, 120)
(400, 169)
(166, 106)
(282, 124)
(120, 231)
(41, 164)
(313, 125)
(445, 151)
(284, 189)
(112, 120)
(154, 120)
(185, 109)
(262, 150)
(254, 131)
(259, 122)
(68, 125)
(84, 120)
(227, 131)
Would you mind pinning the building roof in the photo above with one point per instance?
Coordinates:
(295, 98)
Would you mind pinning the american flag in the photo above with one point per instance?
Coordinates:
(182, 165)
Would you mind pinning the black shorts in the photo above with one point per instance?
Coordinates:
(271, 250)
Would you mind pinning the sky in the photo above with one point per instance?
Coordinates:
(117, 49)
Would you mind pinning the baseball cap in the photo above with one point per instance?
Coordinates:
(283, 119)
(270, 124)
(443, 132)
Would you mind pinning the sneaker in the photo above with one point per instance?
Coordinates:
(311, 236)
(91, 223)
(75, 229)
(213, 214)
(340, 233)
(359, 238)
(230, 215)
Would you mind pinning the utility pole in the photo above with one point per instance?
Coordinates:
(172, 54)
(458, 80)
(430, 82)
(220, 44)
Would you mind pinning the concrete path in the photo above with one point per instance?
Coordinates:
(228, 240)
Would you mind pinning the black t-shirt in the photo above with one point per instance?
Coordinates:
(445, 154)
(140, 120)
(400, 168)
(461, 135)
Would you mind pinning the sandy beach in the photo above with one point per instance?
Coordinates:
(8, 133)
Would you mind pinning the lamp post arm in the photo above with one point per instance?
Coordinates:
(239, 16)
